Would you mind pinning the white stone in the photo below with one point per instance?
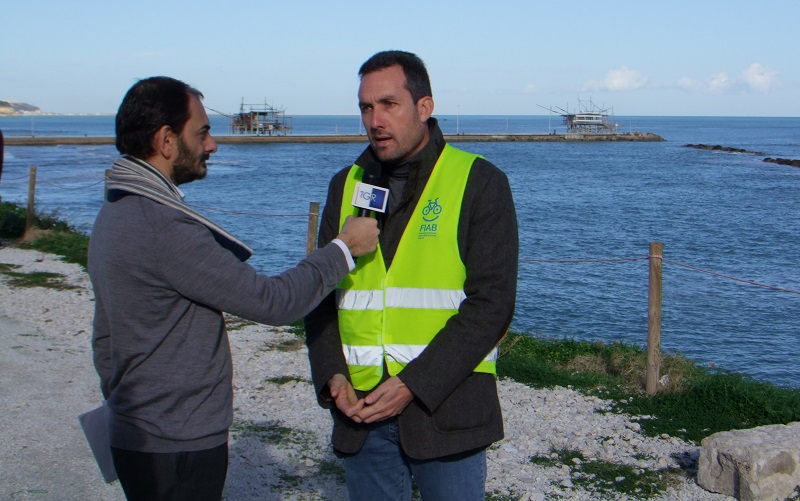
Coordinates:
(760, 463)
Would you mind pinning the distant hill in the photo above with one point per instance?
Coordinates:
(14, 108)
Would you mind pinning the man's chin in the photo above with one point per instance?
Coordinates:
(183, 177)
(384, 154)
(200, 174)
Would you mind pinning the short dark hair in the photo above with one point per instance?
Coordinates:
(418, 82)
(147, 106)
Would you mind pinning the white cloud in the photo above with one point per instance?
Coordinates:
(754, 78)
(624, 78)
(758, 78)
(719, 82)
(620, 79)
(530, 89)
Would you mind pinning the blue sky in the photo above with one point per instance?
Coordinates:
(674, 58)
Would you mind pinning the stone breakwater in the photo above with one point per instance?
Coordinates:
(459, 138)
(728, 149)
(279, 442)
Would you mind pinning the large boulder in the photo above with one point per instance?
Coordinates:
(756, 464)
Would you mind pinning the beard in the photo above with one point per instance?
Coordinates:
(188, 166)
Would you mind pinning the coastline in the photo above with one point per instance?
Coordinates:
(453, 138)
(279, 443)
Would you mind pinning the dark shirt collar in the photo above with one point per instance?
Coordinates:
(423, 161)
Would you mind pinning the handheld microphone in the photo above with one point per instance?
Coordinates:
(370, 198)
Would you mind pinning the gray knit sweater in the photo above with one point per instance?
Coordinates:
(161, 281)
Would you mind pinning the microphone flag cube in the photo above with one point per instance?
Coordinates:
(370, 197)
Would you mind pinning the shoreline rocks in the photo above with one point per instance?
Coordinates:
(783, 161)
(728, 149)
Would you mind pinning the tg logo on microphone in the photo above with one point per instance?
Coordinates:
(368, 196)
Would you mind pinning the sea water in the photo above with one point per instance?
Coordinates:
(587, 212)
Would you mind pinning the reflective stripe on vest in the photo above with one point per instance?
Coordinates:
(397, 297)
(403, 353)
(390, 317)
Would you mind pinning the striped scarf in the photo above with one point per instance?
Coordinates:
(137, 176)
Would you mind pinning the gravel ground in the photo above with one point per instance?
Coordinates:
(279, 442)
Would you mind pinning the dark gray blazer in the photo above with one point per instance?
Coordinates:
(454, 410)
(161, 281)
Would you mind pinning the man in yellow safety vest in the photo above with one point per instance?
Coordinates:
(404, 351)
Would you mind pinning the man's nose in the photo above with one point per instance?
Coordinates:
(377, 120)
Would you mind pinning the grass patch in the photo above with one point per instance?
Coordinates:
(587, 364)
(33, 279)
(293, 344)
(73, 246)
(37, 279)
(53, 235)
(271, 432)
(610, 479)
(290, 345)
(696, 403)
(280, 380)
(715, 402)
(297, 342)
(496, 496)
(298, 329)
(290, 480)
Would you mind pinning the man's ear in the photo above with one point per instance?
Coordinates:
(164, 142)
(425, 108)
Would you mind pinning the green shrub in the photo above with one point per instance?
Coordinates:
(12, 220)
(51, 221)
(60, 238)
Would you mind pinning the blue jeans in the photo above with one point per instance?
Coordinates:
(380, 470)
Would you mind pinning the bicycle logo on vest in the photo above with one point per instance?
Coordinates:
(430, 213)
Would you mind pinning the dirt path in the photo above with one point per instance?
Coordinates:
(46, 381)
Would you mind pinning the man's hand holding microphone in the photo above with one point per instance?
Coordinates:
(369, 199)
(360, 235)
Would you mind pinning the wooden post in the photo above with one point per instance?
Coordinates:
(313, 223)
(654, 319)
(31, 198)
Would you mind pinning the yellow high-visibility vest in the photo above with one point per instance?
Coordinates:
(392, 315)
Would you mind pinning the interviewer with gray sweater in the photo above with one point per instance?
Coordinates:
(162, 276)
